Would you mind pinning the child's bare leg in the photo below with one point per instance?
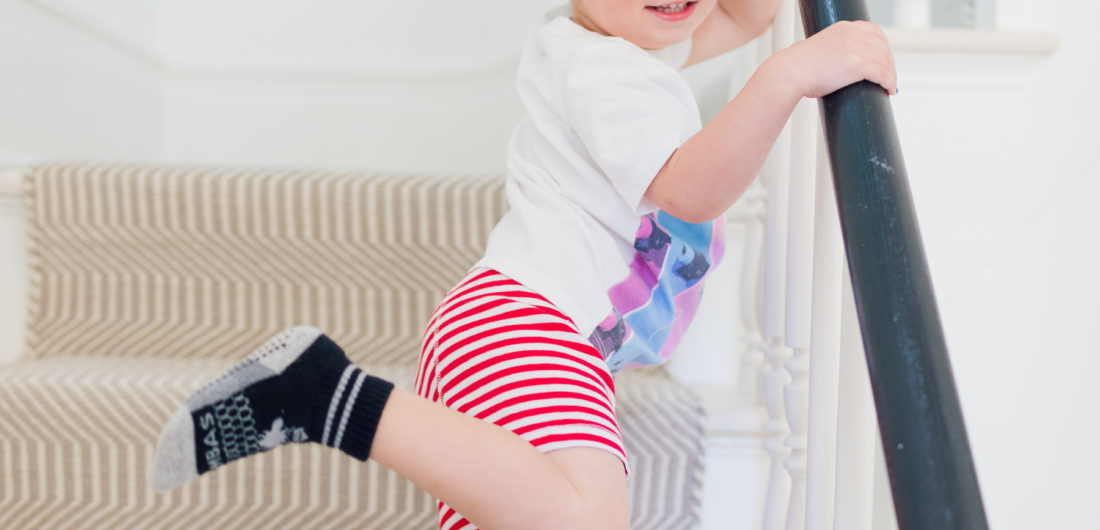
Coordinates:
(495, 478)
(300, 387)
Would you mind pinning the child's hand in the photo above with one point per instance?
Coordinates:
(841, 54)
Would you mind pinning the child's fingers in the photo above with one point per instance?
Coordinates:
(886, 77)
(874, 68)
(877, 56)
(882, 73)
(842, 54)
(887, 73)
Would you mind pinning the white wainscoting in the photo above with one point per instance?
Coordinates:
(14, 277)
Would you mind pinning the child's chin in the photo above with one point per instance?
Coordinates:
(664, 40)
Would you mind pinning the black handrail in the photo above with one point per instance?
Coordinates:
(928, 456)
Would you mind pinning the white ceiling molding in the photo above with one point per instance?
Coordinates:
(970, 41)
(964, 59)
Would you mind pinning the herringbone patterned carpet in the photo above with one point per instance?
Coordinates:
(149, 280)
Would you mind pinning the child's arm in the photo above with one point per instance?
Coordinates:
(703, 178)
(731, 24)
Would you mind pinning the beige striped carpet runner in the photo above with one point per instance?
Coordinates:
(149, 280)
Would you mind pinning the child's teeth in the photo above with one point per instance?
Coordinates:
(672, 8)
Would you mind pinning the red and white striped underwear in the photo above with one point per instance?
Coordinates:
(500, 352)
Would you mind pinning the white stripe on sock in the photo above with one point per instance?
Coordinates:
(336, 401)
(360, 377)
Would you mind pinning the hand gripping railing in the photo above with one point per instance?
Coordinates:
(927, 453)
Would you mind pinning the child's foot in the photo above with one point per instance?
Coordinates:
(298, 387)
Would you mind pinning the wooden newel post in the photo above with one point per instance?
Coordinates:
(927, 452)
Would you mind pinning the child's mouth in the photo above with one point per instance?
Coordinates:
(673, 12)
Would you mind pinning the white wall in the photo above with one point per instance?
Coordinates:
(1004, 177)
(68, 89)
(455, 124)
(343, 35)
(71, 90)
(341, 83)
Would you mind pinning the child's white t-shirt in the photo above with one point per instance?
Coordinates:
(603, 116)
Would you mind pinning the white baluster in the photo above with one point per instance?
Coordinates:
(855, 425)
(751, 211)
(775, 351)
(800, 231)
(777, 173)
(913, 13)
(883, 516)
(824, 350)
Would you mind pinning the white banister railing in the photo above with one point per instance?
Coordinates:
(776, 351)
(826, 463)
(775, 175)
(855, 424)
(828, 266)
(820, 427)
(799, 279)
(751, 212)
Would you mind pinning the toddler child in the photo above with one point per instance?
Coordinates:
(614, 187)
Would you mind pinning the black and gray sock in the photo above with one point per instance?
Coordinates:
(297, 387)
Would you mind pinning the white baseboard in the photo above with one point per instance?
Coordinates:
(735, 480)
(9, 160)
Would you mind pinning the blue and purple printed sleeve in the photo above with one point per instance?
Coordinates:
(653, 306)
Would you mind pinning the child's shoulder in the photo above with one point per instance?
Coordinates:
(563, 41)
(562, 36)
